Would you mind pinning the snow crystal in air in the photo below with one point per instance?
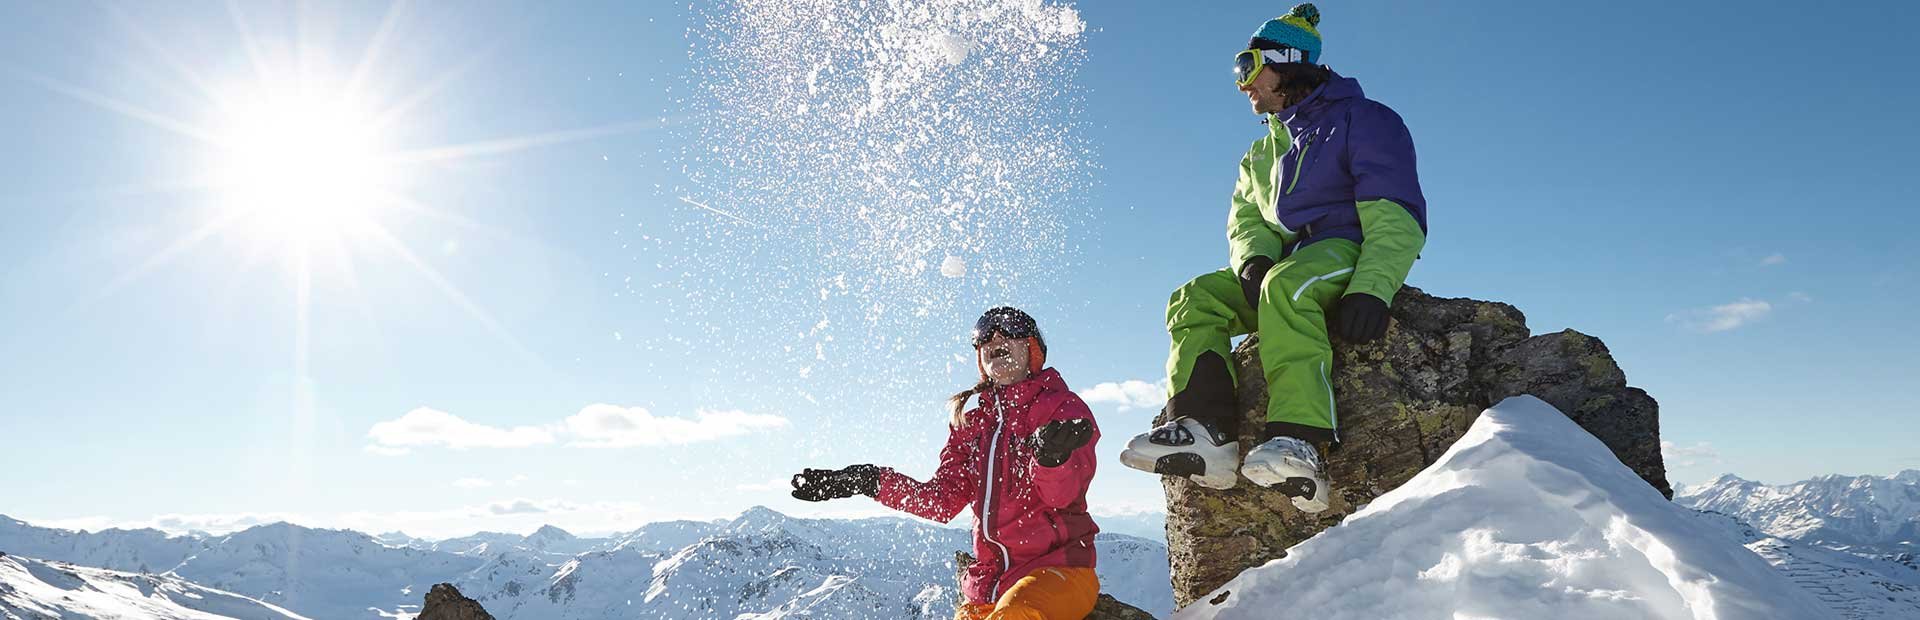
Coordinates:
(953, 266)
(868, 144)
(953, 49)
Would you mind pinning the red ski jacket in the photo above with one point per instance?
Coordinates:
(1026, 517)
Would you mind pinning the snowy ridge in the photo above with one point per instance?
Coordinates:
(1862, 514)
(34, 589)
(322, 573)
(1854, 587)
(1527, 516)
(138, 551)
(762, 564)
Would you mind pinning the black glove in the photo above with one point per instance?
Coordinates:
(1057, 440)
(1252, 273)
(1361, 318)
(819, 485)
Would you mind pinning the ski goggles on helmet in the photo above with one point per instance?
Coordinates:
(1013, 323)
(1248, 63)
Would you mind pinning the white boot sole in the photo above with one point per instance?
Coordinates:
(1269, 473)
(1152, 458)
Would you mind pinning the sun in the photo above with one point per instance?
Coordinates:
(312, 155)
(300, 163)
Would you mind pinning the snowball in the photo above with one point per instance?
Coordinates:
(952, 48)
(953, 266)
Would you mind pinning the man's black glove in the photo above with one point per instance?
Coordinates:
(1252, 273)
(1361, 318)
(819, 485)
(1057, 440)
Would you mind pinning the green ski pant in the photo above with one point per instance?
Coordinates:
(1295, 355)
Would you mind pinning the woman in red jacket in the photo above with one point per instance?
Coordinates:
(1022, 459)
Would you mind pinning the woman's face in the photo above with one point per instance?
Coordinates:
(1005, 359)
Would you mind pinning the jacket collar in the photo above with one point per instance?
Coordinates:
(1334, 89)
(1025, 392)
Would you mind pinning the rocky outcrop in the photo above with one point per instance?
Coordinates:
(444, 602)
(1402, 401)
(1108, 608)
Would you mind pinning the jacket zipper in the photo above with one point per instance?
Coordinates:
(1299, 167)
(986, 512)
(1273, 178)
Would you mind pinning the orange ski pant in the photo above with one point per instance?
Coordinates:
(1058, 593)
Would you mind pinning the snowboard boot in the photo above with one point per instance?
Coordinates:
(1291, 466)
(1198, 439)
(1186, 447)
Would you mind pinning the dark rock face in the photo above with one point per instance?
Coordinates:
(444, 602)
(1401, 402)
(1108, 608)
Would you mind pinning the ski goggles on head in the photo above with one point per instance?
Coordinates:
(1248, 63)
(1014, 325)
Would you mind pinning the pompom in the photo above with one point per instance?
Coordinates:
(1306, 11)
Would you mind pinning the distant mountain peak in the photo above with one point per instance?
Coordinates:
(548, 533)
(759, 518)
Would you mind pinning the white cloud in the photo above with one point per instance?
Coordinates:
(776, 484)
(511, 515)
(517, 507)
(595, 426)
(1800, 297)
(1723, 317)
(1775, 258)
(473, 483)
(1123, 509)
(610, 426)
(516, 480)
(1695, 455)
(430, 427)
(174, 523)
(1129, 394)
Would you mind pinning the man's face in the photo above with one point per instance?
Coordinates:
(1264, 91)
(1005, 359)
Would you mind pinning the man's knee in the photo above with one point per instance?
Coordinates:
(1183, 298)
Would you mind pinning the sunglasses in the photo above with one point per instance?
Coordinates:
(1248, 63)
(1012, 325)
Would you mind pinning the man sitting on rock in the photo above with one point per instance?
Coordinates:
(1327, 219)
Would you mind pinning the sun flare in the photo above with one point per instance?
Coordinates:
(301, 165)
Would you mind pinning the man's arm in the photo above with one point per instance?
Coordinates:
(1386, 191)
(1248, 234)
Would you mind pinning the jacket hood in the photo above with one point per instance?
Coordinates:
(1336, 88)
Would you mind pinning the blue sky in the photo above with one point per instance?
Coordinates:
(1714, 190)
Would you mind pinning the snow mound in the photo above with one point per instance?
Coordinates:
(1527, 516)
(31, 588)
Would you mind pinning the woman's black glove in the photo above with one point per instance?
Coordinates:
(819, 485)
(1057, 440)
(1252, 273)
(1361, 318)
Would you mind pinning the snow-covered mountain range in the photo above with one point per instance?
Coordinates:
(33, 589)
(1854, 587)
(762, 564)
(1868, 515)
